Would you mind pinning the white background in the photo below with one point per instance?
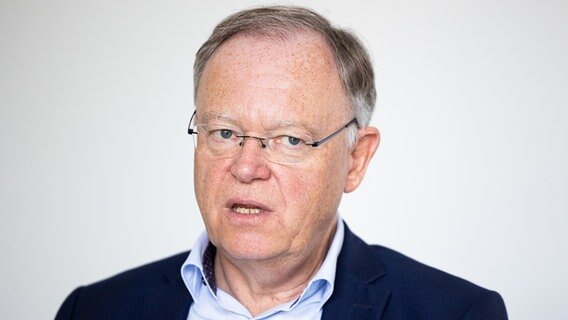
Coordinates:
(471, 175)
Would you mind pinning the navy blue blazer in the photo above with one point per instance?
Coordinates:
(372, 282)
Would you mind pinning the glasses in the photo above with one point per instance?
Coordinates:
(281, 146)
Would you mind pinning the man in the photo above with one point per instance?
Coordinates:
(283, 102)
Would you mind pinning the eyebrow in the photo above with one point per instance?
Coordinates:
(280, 124)
(283, 124)
(212, 115)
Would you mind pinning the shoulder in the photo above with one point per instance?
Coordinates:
(144, 277)
(123, 292)
(401, 269)
(418, 289)
(421, 291)
(414, 289)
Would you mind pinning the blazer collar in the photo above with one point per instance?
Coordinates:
(357, 293)
(170, 301)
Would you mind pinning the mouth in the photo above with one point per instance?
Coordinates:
(246, 210)
(247, 207)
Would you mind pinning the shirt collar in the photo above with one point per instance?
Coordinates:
(320, 287)
(327, 269)
(192, 269)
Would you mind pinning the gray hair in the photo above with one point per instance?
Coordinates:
(352, 60)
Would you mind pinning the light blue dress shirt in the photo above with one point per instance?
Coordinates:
(209, 304)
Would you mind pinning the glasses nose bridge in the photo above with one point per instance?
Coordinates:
(255, 152)
(262, 141)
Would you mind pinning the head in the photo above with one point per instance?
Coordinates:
(351, 58)
(285, 70)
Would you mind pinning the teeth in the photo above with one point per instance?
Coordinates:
(243, 210)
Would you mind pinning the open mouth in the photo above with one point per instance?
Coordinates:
(244, 209)
(247, 206)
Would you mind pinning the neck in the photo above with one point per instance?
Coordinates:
(262, 285)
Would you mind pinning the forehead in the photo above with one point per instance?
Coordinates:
(273, 77)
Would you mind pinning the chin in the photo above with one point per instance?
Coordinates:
(245, 248)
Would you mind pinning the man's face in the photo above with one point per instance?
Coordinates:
(259, 84)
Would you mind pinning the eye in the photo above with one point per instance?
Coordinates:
(290, 141)
(221, 134)
(225, 133)
(293, 141)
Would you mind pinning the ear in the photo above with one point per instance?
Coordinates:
(367, 143)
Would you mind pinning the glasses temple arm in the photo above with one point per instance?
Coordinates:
(189, 129)
(318, 143)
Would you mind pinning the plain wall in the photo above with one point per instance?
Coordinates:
(470, 177)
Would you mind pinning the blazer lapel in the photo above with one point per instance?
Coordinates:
(357, 293)
(171, 301)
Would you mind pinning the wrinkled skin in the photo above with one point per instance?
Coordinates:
(261, 83)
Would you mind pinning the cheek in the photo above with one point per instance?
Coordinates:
(314, 191)
(330, 179)
(208, 173)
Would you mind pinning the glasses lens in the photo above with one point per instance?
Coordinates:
(286, 148)
(217, 141)
(223, 141)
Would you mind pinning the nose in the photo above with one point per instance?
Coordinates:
(250, 165)
(261, 140)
